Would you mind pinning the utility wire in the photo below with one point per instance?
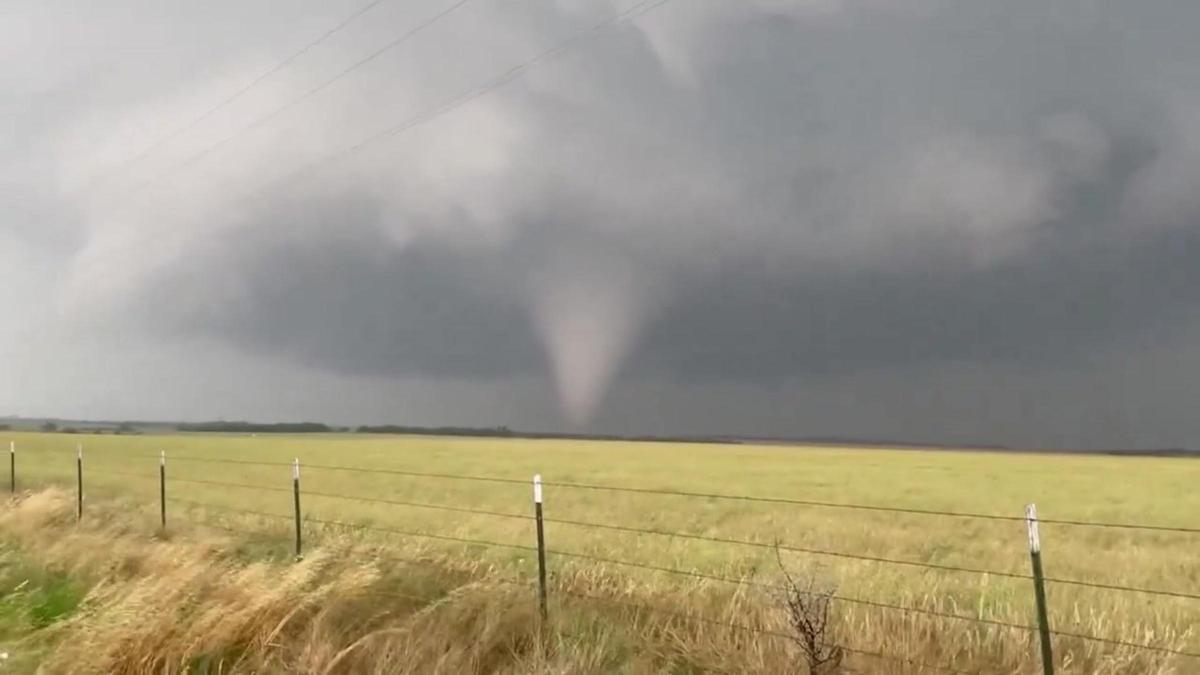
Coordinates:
(183, 129)
(307, 94)
(429, 114)
(517, 71)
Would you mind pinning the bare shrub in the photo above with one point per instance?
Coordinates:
(809, 608)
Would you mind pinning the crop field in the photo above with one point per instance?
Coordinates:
(860, 554)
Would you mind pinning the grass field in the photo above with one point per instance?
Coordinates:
(1154, 491)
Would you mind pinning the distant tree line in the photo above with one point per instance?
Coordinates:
(436, 431)
(505, 432)
(122, 429)
(254, 428)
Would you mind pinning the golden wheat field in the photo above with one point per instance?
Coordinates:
(707, 604)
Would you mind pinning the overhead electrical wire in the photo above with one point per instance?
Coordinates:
(262, 120)
(238, 93)
(426, 115)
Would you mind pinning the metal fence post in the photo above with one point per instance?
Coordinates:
(1039, 588)
(12, 466)
(162, 486)
(296, 500)
(79, 483)
(541, 544)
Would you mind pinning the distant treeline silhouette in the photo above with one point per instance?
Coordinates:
(436, 431)
(505, 432)
(255, 428)
(13, 423)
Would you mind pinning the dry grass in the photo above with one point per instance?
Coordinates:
(200, 600)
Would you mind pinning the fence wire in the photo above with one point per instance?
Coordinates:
(702, 495)
(663, 533)
(757, 631)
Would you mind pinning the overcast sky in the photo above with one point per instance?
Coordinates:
(967, 221)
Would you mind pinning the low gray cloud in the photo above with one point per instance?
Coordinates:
(709, 197)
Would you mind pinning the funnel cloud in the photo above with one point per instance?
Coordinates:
(952, 221)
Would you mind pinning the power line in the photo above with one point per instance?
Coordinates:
(308, 93)
(179, 131)
(640, 8)
(513, 73)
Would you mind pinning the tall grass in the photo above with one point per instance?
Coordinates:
(203, 600)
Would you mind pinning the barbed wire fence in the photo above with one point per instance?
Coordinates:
(1044, 631)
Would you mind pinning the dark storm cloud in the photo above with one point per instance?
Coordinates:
(716, 193)
(348, 299)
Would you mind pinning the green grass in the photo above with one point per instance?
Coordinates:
(32, 598)
(1158, 491)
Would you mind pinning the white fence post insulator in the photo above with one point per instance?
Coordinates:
(296, 502)
(1039, 588)
(12, 466)
(541, 544)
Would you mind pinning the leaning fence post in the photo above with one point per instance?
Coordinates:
(1039, 588)
(12, 466)
(162, 486)
(296, 500)
(79, 482)
(541, 543)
